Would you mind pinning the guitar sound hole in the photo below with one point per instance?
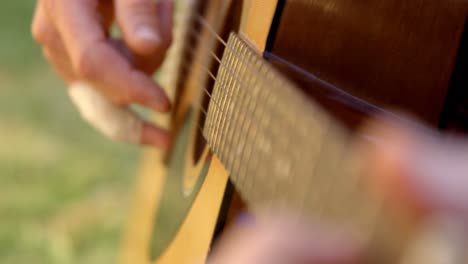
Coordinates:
(200, 142)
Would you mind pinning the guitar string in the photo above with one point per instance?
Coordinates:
(211, 75)
(196, 34)
(201, 85)
(201, 82)
(192, 50)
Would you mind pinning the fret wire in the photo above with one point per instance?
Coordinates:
(265, 158)
(220, 41)
(255, 86)
(212, 76)
(227, 99)
(204, 111)
(249, 127)
(217, 59)
(248, 181)
(230, 98)
(243, 174)
(247, 103)
(230, 130)
(215, 135)
(235, 53)
(225, 95)
(231, 106)
(285, 169)
(222, 88)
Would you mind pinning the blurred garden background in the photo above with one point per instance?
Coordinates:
(64, 190)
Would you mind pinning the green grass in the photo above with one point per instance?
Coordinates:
(63, 188)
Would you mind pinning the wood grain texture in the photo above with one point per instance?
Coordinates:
(393, 53)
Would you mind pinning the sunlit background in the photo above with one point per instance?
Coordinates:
(64, 189)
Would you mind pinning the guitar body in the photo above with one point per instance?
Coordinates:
(354, 58)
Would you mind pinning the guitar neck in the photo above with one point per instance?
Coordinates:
(284, 152)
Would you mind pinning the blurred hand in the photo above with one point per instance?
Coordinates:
(281, 239)
(75, 39)
(420, 170)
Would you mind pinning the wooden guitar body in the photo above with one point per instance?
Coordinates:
(352, 58)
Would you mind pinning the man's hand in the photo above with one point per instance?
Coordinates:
(422, 170)
(415, 169)
(283, 238)
(76, 40)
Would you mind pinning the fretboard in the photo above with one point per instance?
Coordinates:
(284, 152)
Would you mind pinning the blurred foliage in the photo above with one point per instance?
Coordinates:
(63, 188)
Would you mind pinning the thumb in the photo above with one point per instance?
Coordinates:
(139, 23)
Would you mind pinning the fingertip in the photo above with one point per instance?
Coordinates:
(390, 165)
(146, 40)
(164, 105)
(155, 136)
(160, 103)
(146, 92)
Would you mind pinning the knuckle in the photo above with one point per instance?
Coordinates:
(42, 34)
(85, 66)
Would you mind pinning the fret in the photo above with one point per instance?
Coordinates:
(251, 132)
(250, 92)
(263, 154)
(285, 176)
(227, 89)
(232, 127)
(235, 67)
(226, 104)
(244, 124)
(282, 151)
(254, 169)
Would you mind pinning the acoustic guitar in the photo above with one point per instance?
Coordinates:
(267, 95)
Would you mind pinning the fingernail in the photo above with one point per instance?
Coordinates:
(146, 33)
